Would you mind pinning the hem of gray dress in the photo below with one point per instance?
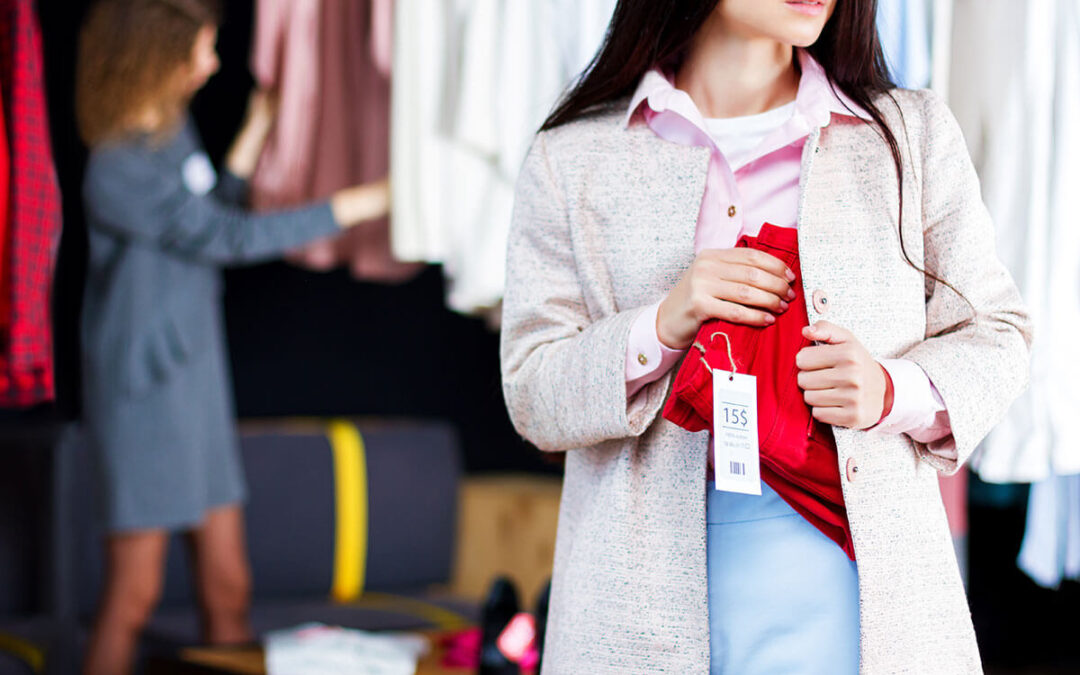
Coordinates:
(173, 524)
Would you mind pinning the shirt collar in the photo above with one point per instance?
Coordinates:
(815, 100)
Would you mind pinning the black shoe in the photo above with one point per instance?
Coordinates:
(541, 615)
(499, 608)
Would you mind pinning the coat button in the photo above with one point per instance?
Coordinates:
(821, 301)
(852, 469)
(731, 211)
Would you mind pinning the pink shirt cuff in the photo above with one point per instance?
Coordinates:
(918, 409)
(647, 359)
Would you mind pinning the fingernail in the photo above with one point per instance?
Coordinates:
(790, 275)
(769, 318)
(783, 306)
(791, 294)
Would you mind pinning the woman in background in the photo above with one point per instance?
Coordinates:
(157, 391)
(702, 125)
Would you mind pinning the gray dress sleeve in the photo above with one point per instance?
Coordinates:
(136, 195)
(232, 189)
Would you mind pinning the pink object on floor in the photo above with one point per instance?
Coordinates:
(518, 638)
(462, 649)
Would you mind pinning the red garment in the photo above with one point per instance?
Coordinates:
(5, 217)
(798, 453)
(26, 365)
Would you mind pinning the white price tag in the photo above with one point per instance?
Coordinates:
(736, 460)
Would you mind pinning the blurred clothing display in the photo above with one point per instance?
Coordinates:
(328, 61)
(1050, 553)
(5, 220)
(32, 217)
(915, 36)
(1016, 93)
(318, 649)
(473, 81)
(905, 27)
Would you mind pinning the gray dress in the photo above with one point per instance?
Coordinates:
(157, 394)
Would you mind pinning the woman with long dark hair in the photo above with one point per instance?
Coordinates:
(737, 185)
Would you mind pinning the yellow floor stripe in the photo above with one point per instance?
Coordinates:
(350, 486)
(25, 651)
(439, 617)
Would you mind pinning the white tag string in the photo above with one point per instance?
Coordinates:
(731, 359)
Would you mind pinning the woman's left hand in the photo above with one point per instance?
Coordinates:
(841, 382)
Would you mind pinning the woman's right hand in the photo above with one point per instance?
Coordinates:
(361, 203)
(738, 285)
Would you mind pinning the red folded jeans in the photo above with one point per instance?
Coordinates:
(798, 453)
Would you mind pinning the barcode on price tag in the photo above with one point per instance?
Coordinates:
(735, 433)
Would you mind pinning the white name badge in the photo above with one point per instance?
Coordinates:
(198, 174)
(736, 457)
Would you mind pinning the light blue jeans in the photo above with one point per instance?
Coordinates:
(783, 597)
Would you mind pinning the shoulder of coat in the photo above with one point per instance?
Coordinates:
(914, 111)
(603, 131)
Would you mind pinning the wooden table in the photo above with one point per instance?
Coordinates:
(251, 661)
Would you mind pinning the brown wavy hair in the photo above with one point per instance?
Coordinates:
(130, 57)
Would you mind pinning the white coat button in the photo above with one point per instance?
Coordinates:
(821, 301)
(852, 470)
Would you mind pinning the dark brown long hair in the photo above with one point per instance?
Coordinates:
(645, 33)
(129, 54)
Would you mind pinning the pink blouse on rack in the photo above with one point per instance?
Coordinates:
(329, 62)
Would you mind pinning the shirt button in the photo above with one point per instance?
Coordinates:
(642, 359)
(821, 301)
(731, 211)
(852, 469)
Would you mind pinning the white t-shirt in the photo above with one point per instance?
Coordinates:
(738, 137)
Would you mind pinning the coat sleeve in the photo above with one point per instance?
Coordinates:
(564, 372)
(976, 355)
(135, 198)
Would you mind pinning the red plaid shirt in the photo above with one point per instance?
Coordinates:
(34, 212)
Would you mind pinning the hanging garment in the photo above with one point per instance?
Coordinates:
(905, 30)
(798, 453)
(328, 64)
(1050, 552)
(26, 363)
(473, 80)
(915, 36)
(941, 46)
(5, 224)
(1016, 93)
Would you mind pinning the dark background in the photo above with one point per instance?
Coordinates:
(322, 344)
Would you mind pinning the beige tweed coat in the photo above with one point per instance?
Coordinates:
(604, 225)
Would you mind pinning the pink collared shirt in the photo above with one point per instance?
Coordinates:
(757, 186)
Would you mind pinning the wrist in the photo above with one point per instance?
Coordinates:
(663, 335)
(888, 395)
